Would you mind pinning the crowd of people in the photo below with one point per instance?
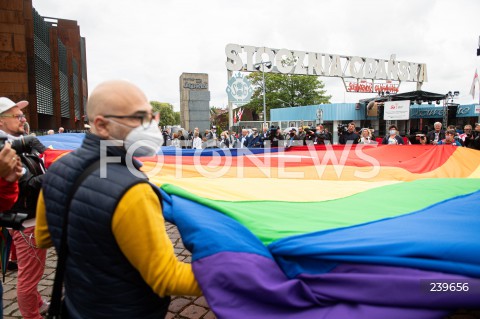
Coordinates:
(319, 135)
(469, 137)
(246, 138)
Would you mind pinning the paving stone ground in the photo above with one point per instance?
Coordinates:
(181, 307)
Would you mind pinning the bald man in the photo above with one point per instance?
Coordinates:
(121, 263)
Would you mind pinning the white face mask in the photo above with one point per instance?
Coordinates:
(393, 132)
(144, 141)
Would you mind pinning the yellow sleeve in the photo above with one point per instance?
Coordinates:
(139, 229)
(42, 235)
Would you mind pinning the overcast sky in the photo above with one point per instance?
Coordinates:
(152, 42)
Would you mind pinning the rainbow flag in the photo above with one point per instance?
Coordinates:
(328, 232)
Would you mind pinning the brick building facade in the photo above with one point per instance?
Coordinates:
(43, 61)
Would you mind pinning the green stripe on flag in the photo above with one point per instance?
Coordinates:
(272, 220)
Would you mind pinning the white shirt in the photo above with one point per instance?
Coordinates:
(197, 143)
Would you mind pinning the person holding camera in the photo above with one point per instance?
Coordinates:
(10, 172)
(30, 258)
(421, 139)
(475, 144)
(275, 136)
(468, 136)
(349, 135)
(322, 136)
(255, 139)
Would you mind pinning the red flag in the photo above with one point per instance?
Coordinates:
(235, 117)
(472, 89)
(240, 113)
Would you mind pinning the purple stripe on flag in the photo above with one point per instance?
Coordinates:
(244, 285)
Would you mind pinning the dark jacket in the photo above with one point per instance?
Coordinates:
(347, 136)
(100, 282)
(255, 142)
(29, 184)
(431, 135)
(398, 138)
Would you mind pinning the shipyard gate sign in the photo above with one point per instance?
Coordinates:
(244, 57)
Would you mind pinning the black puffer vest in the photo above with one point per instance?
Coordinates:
(100, 282)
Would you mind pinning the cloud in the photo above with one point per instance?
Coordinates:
(152, 42)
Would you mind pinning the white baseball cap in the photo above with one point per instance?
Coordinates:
(6, 104)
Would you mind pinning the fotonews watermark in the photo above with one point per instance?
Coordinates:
(309, 162)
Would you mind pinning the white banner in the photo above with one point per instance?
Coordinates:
(396, 110)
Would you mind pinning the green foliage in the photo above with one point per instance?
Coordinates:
(286, 90)
(219, 118)
(167, 115)
(177, 118)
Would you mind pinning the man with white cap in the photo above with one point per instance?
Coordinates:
(31, 260)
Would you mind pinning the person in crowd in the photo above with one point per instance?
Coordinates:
(61, 130)
(182, 140)
(30, 258)
(121, 263)
(255, 139)
(420, 138)
(211, 137)
(301, 134)
(437, 134)
(213, 133)
(175, 141)
(450, 139)
(349, 135)
(322, 135)
(167, 137)
(197, 141)
(244, 139)
(50, 132)
(392, 138)
(366, 137)
(224, 141)
(10, 171)
(197, 130)
(475, 141)
(232, 140)
(276, 137)
(292, 137)
(309, 136)
(467, 136)
(457, 134)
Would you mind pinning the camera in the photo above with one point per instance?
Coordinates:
(25, 144)
(12, 220)
(341, 128)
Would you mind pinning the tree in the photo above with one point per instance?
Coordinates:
(167, 115)
(177, 118)
(286, 90)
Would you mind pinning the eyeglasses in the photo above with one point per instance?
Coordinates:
(145, 118)
(19, 117)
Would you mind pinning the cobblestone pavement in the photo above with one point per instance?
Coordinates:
(181, 307)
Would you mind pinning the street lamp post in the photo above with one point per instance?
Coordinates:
(257, 66)
(449, 102)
